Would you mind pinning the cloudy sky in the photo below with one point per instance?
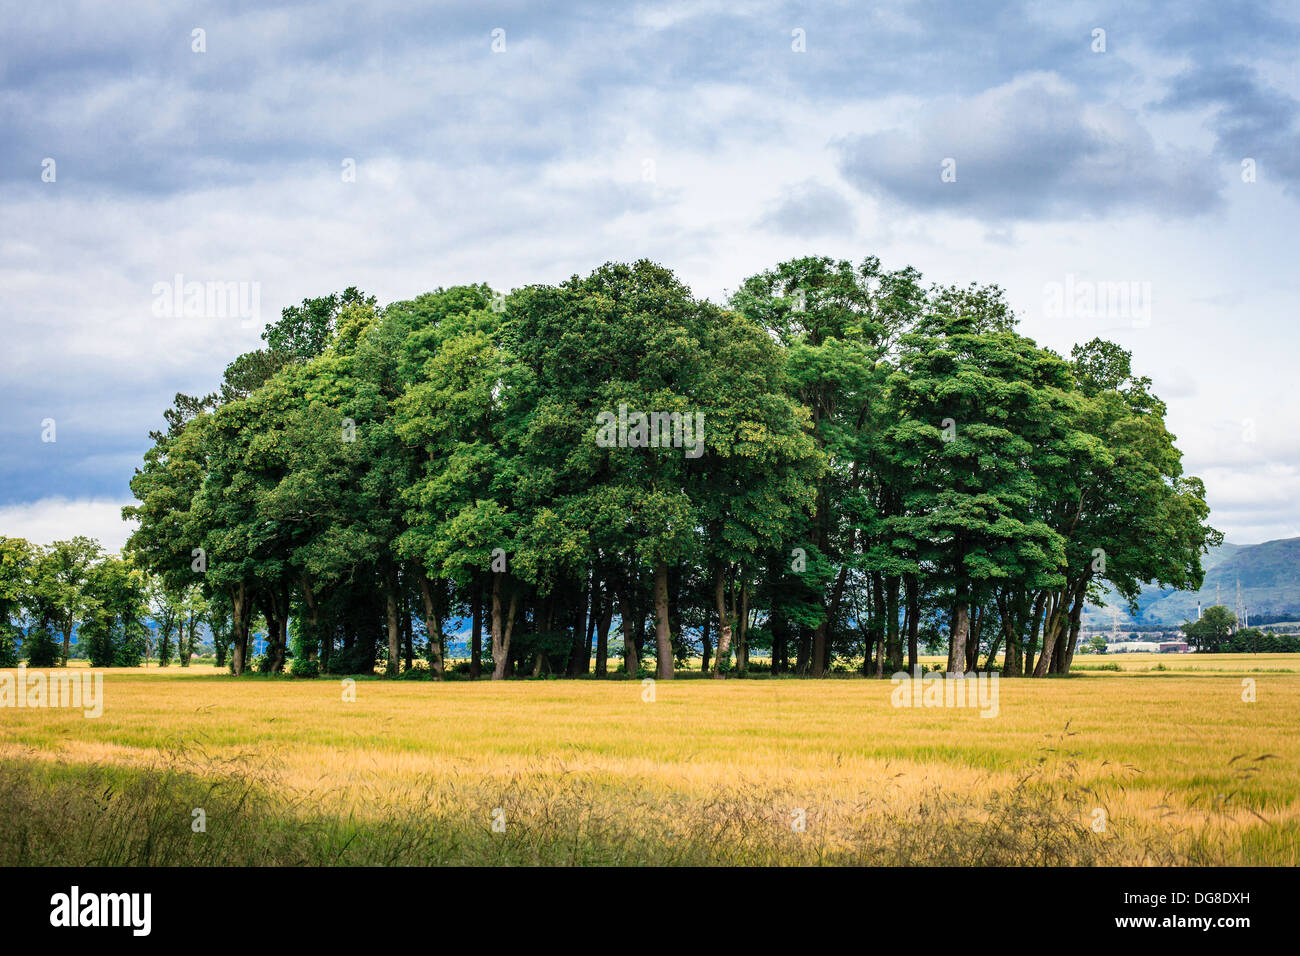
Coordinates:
(308, 147)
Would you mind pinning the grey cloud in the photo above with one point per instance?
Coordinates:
(510, 168)
(1248, 119)
(1030, 149)
(810, 210)
(124, 105)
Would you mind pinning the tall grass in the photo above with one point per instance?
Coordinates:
(712, 772)
(97, 815)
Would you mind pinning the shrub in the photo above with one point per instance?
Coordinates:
(41, 649)
(8, 646)
(301, 667)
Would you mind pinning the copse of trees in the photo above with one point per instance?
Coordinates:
(878, 458)
(883, 467)
(1216, 631)
(49, 592)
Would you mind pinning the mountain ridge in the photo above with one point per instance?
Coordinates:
(1269, 574)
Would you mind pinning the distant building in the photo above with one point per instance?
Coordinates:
(1130, 647)
(1148, 647)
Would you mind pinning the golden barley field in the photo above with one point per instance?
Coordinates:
(1141, 766)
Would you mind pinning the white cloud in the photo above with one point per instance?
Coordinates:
(529, 167)
(57, 519)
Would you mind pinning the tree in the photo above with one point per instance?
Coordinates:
(838, 325)
(115, 631)
(66, 567)
(1117, 496)
(16, 560)
(194, 609)
(168, 612)
(841, 463)
(974, 407)
(1212, 631)
(460, 513)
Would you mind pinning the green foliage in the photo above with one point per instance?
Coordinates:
(164, 649)
(873, 452)
(16, 557)
(302, 667)
(40, 647)
(115, 632)
(1252, 640)
(1212, 631)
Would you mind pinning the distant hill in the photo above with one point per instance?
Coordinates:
(1270, 584)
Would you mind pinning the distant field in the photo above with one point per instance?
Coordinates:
(710, 772)
(1084, 663)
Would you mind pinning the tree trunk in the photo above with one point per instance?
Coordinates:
(408, 632)
(1009, 612)
(186, 639)
(868, 637)
(476, 631)
(241, 602)
(1051, 632)
(779, 628)
(880, 626)
(913, 599)
(821, 636)
(502, 626)
(973, 640)
(639, 629)
(663, 636)
(593, 615)
(394, 631)
(819, 649)
(577, 657)
(432, 625)
(540, 660)
(960, 631)
(1035, 624)
(894, 643)
(1076, 614)
(274, 649)
(724, 621)
(311, 624)
(602, 631)
(706, 648)
(742, 632)
(627, 615)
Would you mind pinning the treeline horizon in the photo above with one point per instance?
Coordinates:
(840, 464)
